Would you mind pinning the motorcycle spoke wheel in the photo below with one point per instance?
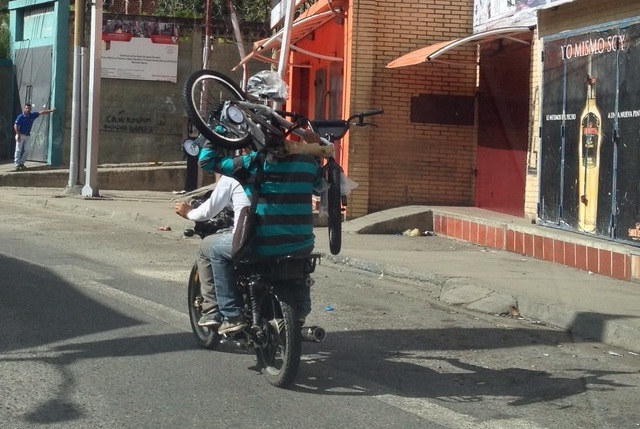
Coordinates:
(205, 337)
(280, 357)
(334, 201)
(204, 95)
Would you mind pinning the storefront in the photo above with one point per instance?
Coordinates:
(590, 121)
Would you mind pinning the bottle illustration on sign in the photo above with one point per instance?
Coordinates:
(589, 155)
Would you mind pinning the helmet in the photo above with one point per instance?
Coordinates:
(268, 84)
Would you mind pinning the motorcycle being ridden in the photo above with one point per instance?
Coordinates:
(264, 297)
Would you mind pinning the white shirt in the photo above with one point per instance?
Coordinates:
(228, 192)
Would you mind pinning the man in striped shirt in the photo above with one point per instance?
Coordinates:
(284, 220)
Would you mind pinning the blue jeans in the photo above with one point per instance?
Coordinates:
(229, 296)
(205, 272)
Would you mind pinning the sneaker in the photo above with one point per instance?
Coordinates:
(211, 320)
(234, 325)
(18, 168)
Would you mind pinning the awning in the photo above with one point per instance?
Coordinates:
(317, 15)
(432, 52)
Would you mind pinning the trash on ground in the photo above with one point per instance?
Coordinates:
(412, 233)
(328, 308)
(164, 228)
(614, 354)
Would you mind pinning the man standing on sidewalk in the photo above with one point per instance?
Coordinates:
(22, 128)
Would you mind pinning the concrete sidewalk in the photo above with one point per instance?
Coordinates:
(474, 277)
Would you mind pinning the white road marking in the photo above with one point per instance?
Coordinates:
(451, 419)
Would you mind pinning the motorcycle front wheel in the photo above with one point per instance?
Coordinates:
(279, 357)
(205, 337)
(206, 97)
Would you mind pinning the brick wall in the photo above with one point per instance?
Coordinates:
(401, 162)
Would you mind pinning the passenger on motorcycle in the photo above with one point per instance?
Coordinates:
(284, 221)
(228, 192)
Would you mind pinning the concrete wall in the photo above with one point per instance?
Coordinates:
(153, 110)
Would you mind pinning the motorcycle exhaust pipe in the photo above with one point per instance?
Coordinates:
(313, 334)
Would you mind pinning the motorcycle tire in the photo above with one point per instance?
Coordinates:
(334, 208)
(203, 96)
(205, 337)
(279, 359)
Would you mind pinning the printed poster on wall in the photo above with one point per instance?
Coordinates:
(590, 147)
(140, 50)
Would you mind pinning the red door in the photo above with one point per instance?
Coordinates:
(503, 118)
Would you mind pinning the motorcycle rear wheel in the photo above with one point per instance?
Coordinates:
(280, 357)
(203, 96)
(205, 337)
(334, 204)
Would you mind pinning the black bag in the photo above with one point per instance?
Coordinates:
(244, 234)
(242, 242)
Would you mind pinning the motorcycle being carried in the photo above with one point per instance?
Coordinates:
(274, 332)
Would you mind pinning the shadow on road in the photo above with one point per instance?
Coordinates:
(437, 364)
(39, 309)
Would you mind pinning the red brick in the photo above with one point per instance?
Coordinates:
(620, 266)
(465, 230)
(592, 260)
(510, 244)
(604, 258)
(558, 252)
(457, 231)
(500, 239)
(482, 235)
(519, 243)
(528, 245)
(538, 247)
(581, 257)
(547, 249)
(473, 234)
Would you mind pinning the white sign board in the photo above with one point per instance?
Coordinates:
(494, 14)
(279, 10)
(140, 51)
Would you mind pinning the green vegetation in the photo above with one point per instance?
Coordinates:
(5, 39)
(248, 10)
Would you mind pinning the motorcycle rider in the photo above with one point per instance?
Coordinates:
(228, 192)
(284, 221)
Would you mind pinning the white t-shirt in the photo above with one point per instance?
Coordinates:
(228, 192)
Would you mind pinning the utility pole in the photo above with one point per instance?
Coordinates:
(90, 188)
(76, 107)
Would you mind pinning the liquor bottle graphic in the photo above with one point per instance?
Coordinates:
(589, 155)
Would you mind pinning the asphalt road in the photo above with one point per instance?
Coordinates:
(94, 333)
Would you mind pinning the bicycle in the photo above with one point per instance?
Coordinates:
(224, 114)
(334, 130)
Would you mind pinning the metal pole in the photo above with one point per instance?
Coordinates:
(286, 38)
(90, 188)
(207, 35)
(238, 35)
(283, 63)
(76, 109)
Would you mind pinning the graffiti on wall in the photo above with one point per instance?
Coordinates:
(140, 123)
